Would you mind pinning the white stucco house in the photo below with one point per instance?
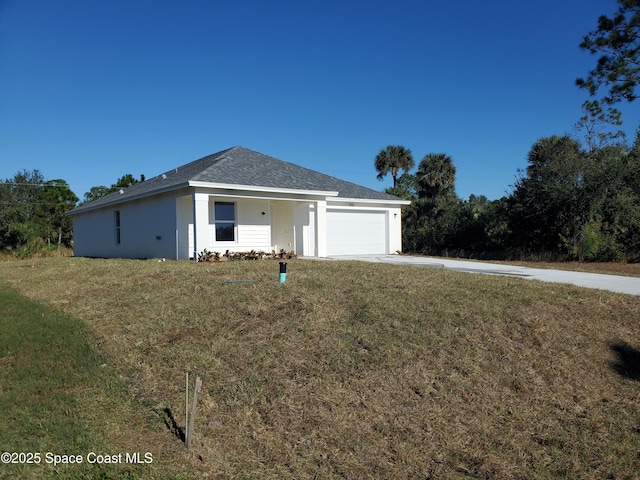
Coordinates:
(238, 200)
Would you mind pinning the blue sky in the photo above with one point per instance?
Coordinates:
(91, 90)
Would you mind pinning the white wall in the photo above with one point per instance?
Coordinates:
(282, 226)
(395, 230)
(94, 234)
(184, 221)
(147, 230)
(253, 231)
(303, 229)
(149, 226)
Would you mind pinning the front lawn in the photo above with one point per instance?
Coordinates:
(358, 370)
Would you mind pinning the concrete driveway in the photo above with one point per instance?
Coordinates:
(612, 283)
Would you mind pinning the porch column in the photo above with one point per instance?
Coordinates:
(200, 222)
(321, 228)
(394, 229)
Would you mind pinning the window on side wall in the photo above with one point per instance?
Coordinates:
(116, 223)
(225, 221)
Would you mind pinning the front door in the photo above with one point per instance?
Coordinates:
(282, 227)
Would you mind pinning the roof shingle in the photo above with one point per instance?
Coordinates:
(241, 166)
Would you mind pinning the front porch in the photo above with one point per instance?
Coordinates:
(224, 222)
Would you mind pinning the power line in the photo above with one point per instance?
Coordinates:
(36, 184)
(37, 203)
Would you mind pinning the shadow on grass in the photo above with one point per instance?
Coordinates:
(170, 422)
(628, 362)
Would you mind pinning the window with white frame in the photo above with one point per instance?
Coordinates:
(225, 221)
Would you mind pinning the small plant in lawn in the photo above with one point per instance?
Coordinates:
(208, 256)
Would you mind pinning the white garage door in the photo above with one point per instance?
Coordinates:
(353, 232)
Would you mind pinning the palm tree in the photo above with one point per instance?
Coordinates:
(436, 174)
(393, 159)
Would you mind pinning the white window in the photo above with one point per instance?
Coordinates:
(225, 221)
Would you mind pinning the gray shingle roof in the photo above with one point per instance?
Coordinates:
(240, 166)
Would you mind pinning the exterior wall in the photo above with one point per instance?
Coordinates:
(184, 222)
(252, 231)
(312, 252)
(282, 226)
(147, 230)
(200, 223)
(320, 219)
(94, 234)
(163, 225)
(395, 230)
(303, 228)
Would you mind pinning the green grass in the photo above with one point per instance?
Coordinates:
(55, 396)
(356, 370)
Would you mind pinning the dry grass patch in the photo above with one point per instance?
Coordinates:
(58, 400)
(357, 370)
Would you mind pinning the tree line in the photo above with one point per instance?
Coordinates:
(569, 203)
(576, 199)
(33, 211)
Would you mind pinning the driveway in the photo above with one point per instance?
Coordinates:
(612, 283)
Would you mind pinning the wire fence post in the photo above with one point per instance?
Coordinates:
(193, 410)
(186, 410)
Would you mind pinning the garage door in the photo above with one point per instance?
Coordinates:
(353, 232)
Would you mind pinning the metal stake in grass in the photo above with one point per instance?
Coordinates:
(193, 411)
(186, 410)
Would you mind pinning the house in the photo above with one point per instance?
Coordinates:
(238, 200)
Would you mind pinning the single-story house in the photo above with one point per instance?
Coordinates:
(238, 200)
